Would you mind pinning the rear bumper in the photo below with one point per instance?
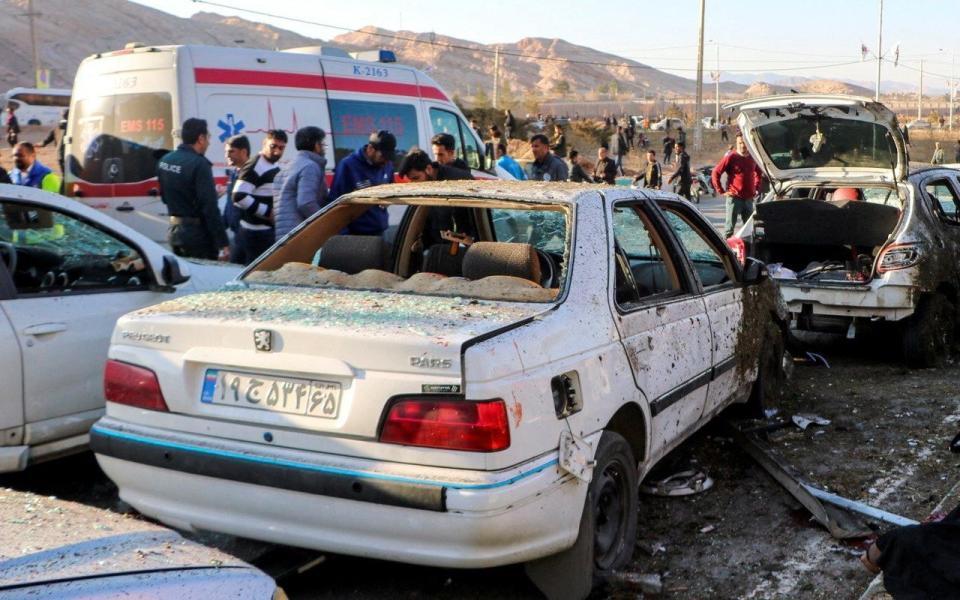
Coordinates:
(872, 301)
(365, 508)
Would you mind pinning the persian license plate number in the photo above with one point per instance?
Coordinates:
(274, 394)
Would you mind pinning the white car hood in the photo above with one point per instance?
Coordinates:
(823, 137)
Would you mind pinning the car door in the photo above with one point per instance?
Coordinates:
(71, 279)
(661, 320)
(714, 268)
(944, 201)
(11, 390)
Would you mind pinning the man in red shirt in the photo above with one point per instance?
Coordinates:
(743, 181)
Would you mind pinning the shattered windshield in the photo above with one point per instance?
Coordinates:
(817, 142)
(510, 251)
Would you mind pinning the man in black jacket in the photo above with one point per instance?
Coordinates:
(188, 191)
(577, 174)
(443, 224)
(606, 169)
(444, 147)
(651, 176)
(682, 172)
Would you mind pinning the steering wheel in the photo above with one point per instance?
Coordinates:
(11, 256)
(548, 269)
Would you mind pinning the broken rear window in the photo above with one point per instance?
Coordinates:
(826, 142)
(493, 250)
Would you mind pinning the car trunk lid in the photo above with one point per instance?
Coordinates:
(325, 360)
(815, 137)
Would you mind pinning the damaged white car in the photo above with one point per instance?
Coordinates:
(488, 388)
(854, 242)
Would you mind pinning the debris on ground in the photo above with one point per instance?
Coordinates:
(806, 420)
(648, 583)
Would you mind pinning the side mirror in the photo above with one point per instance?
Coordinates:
(754, 271)
(171, 273)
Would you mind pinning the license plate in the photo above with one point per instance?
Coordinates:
(275, 394)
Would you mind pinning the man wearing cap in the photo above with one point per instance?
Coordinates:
(369, 165)
(187, 188)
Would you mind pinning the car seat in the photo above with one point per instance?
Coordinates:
(484, 259)
(353, 253)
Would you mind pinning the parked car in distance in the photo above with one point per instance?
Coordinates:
(662, 124)
(855, 242)
(919, 124)
(148, 565)
(440, 403)
(67, 272)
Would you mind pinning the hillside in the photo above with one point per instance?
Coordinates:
(462, 66)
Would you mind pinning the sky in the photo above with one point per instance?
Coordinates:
(811, 38)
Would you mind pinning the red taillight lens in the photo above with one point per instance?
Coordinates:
(453, 424)
(128, 384)
(739, 248)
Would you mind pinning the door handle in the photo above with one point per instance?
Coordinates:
(44, 328)
(661, 310)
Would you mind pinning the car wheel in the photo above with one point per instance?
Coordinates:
(33, 122)
(929, 334)
(613, 498)
(608, 527)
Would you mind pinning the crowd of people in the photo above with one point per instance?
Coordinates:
(266, 199)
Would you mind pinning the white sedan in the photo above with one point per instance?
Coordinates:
(67, 272)
(487, 388)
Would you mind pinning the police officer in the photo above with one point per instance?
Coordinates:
(187, 188)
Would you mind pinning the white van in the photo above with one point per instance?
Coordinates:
(36, 106)
(128, 105)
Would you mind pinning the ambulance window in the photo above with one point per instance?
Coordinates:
(444, 121)
(470, 144)
(353, 121)
(118, 138)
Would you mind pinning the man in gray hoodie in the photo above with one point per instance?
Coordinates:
(300, 187)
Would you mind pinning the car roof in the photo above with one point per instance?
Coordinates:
(928, 169)
(523, 191)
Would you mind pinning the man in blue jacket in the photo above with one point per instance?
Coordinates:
(370, 165)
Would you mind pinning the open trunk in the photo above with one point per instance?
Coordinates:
(822, 242)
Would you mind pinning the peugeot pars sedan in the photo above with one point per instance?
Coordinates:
(486, 388)
(855, 240)
(66, 273)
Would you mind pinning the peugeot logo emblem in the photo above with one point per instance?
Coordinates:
(263, 340)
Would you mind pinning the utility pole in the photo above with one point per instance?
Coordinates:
(698, 131)
(496, 78)
(717, 80)
(920, 94)
(879, 52)
(952, 88)
(33, 41)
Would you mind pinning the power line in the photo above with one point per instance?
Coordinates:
(482, 49)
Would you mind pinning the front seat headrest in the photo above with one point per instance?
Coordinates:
(484, 259)
(353, 253)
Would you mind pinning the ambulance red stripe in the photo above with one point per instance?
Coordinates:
(301, 80)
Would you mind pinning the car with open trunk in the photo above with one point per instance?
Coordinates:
(858, 245)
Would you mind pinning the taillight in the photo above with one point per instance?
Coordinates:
(128, 384)
(453, 424)
(739, 248)
(899, 256)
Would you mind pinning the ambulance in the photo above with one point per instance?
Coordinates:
(127, 107)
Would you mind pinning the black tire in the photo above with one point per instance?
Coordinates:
(928, 334)
(33, 122)
(613, 498)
